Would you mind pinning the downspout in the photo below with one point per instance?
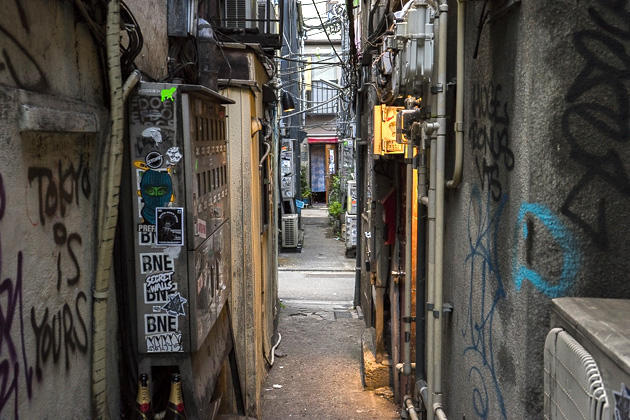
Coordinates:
(421, 269)
(459, 98)
(107, 215)
(430, 202)
(408, 231)
(436, 390)
(359, 171)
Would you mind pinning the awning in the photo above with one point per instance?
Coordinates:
(315, 140)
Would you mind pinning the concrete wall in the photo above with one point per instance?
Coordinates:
(51, 125)
(542, 210)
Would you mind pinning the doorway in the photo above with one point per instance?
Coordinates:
(323, 164)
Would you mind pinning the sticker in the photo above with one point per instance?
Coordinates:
(154, 133)
(161, 343)
(154, 160)
(175, 306)
(170, 225)
(160, 323)
(156, 190)
(150, 110)
(201, 229)
(155, 263)
(622, 403)
(158, 288)
(168, 93)
(146, 234)
(174, 156)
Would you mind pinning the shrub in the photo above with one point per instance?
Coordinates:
(334, 209)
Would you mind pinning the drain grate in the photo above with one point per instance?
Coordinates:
(342, 314)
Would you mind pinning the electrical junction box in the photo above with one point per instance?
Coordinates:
(413, 45)
(181, 214)
(385, 130)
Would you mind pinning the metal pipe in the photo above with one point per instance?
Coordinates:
(436, 390)
(408, 231)
(400, 366)
(359, 173)
(431, 270)
(459, 98)
(408, 404)
(421, 269)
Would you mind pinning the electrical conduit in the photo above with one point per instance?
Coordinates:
(459, 98)
(107, 215)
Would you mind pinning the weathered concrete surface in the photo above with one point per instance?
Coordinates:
(542, 211)
(319, 372)
(321, 251)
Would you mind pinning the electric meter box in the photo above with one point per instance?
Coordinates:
(181, 213)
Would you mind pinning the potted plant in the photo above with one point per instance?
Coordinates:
(304, 187)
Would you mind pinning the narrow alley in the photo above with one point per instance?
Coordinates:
(317, 369)
(165, 249)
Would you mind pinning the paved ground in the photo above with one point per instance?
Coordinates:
(318, 375)
(321, 250)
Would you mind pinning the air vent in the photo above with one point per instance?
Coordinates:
(290, 231)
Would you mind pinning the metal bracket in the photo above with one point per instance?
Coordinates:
(447, 307)
(437, 88)
(409, 319)
(436, 314)
(430, 307)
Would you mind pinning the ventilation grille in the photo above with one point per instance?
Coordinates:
(237, 13)
(290, 231)
(573, 386)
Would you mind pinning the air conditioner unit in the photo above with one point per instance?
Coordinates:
(239, 13)
(587, 362)
(290, 231)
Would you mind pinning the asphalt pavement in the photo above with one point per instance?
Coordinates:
(316, 371)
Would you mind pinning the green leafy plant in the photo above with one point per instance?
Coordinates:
(335, 189)
(304, 187)
(334, 209)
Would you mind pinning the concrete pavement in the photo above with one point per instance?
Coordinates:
(316, 373)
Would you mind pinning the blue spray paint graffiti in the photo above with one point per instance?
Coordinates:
(564, 238)
(485, 282)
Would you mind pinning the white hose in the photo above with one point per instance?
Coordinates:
(273, 350)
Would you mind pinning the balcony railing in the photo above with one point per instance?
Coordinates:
(322, 97)
(251, 21)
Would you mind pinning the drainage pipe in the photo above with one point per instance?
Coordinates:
(459, 98)
(359, 172)
(421, 267)
(408, 404)
(436, 389)
(107, 214)
(408, 230)
(440, 414)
